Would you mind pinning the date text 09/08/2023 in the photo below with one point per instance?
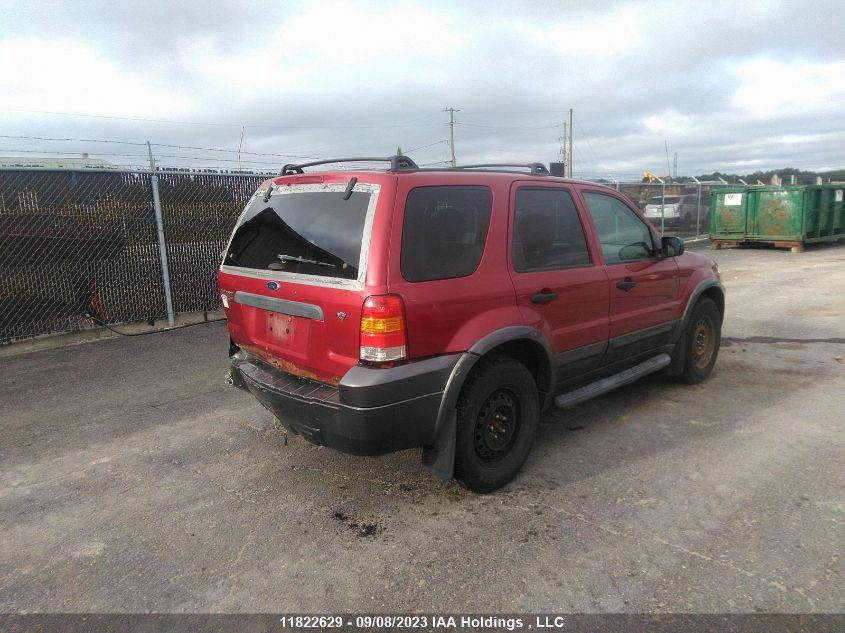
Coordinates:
(422, 621)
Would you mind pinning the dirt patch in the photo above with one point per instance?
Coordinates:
(360, 528)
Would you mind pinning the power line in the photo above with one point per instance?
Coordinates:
(413, 149)
(226, 124)
(122, 155)
(206, 149)
(509, 127)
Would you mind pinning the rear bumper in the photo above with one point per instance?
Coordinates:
(371, 411)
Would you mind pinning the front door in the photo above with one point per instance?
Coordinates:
(643, 286)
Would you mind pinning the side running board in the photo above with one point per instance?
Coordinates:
(612, 382)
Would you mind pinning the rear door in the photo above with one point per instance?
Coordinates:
(561, 287)
(299, 266)
(643, 287)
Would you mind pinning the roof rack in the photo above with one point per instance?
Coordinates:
(397, 163)
(535, 168)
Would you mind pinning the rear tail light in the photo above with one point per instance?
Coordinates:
(383, 334)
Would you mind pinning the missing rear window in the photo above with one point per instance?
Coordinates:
(307, 231)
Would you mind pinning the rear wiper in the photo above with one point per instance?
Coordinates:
(302, 260)
(349, 187)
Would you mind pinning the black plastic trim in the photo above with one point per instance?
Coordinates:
(699, 290)
(646, 340)
(371, 412)
(283, 306)
(397, 163)
(576, 362)
(534, 168)
(372, 387)
(625, 340)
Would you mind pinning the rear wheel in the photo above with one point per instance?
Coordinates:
(702, 340)
(498, 416)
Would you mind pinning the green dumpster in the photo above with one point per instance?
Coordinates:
(788, 216)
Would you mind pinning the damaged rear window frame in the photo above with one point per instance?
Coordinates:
(312, 280)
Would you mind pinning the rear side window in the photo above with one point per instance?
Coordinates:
(303, 230)
(547, 231)
(444, 231)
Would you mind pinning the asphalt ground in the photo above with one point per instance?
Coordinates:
(132, 479)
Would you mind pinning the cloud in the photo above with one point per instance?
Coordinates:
(726, 84)
(55, 74)
(771, 87)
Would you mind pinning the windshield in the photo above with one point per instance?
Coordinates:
(302, 231)
(668, 199)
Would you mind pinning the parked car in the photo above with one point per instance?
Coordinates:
(678, 212)
(378, 310)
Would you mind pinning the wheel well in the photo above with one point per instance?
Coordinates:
(530, 354)
(717, 297)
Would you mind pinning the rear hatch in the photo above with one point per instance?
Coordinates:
(302, 259)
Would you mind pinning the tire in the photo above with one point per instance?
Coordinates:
(498, 417)
(701, 342)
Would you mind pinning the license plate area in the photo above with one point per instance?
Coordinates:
(288, 332)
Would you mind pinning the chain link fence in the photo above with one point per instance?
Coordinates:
(77, 247)
(81, 247)
(675, 208)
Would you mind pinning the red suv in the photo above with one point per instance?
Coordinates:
(379, 310)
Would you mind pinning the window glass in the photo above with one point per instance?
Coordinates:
(444, 231)
(310, 232)
(623, 236)
(547, 231)
(668, 200)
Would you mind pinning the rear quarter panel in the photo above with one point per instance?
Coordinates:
(450, 315)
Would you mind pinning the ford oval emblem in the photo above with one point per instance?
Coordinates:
(272, 285)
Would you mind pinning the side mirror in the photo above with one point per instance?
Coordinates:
(672, 246)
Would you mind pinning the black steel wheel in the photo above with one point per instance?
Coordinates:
(702, 340)
(498, 416)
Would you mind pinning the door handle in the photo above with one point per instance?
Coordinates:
(626, 284)
(544, 296)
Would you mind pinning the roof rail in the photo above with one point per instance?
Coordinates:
(397, 163)
(535, 168)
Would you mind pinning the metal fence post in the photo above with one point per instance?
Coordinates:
(162, 245)
(698, 208)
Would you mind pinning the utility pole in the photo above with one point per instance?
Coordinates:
(162, 244)
(564, 158)
(451, 112)
(569, 162)
(240, 144)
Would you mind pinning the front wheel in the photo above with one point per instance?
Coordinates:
(701, 340)
(498, 417)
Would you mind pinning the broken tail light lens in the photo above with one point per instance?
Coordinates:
(383, 332)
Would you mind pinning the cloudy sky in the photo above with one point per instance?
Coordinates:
(730, 86)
